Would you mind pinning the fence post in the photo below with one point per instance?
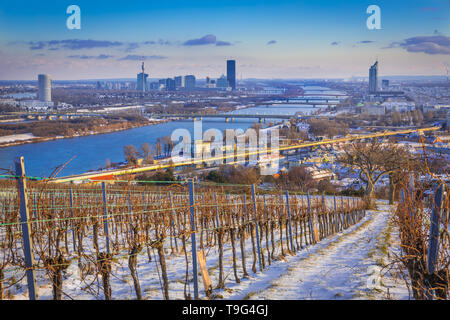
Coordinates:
(289, 219)
(326, 216)
(130, 210)
(342, 215)
(217, 211)
(311, 227)
(433, 245)
(105, 210)
(336, 220)
(172, 219)
(24, 218)
(257, 228)
(193, 231)
(73, 221)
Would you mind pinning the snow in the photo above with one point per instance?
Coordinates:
(17, 137)
(335, 268)
(339, 267)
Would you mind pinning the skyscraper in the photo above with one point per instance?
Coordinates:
(170, 84)
(189, 81)
(373, 78)
(45, 87)
(231, 73)
(179, 81)
(142, 79)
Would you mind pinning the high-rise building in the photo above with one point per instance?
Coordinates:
(189, 81)
(373, 78)
(179, 82)
(141, 84)
(231, 73)
(45, 87)
(170, 84)
(385, 84)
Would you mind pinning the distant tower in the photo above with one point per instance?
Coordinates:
(142, 79)
(231, 73)
(373, 78)
(45, 87)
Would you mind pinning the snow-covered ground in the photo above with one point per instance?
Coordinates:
(352, 264)
(17, 137)
(339, 267)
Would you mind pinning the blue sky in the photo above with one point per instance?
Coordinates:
(268, 39)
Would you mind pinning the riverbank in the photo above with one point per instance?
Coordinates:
(27, 138)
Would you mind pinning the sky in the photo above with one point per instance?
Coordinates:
(268, 39)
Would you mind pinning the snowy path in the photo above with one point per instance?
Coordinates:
(335, 268)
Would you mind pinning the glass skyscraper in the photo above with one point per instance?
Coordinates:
(141, 84)
(189, 81)
(231, 73)
(373, 78)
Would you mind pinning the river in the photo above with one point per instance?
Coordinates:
(90, 152)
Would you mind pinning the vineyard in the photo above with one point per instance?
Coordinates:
(175, 241)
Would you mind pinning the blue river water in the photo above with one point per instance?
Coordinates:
(90, 152)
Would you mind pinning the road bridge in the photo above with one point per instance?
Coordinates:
(228, 117)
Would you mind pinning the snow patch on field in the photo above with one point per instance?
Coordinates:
(17, 137)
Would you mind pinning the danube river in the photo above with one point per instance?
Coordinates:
(90, 152)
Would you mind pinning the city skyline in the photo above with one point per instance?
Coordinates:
(283, 39)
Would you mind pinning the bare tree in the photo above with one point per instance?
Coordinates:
(146, 151)
(131, 154)
(158, 147)
(297, 178)
(371, 159)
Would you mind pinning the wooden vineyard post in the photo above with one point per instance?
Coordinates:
(433, 245)
(105, 209)
(172, 221)
(312, 228)
(130, 211)
(217, 211)
(257, 229)
(326, 216)
(336, 220)
(24, 219)
(193, 231)
(204, 271)
(73, 221)
(289, 219)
